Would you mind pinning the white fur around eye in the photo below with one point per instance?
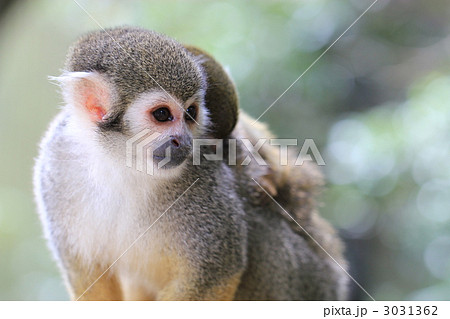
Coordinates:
(138, 116)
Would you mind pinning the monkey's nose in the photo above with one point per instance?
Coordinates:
(175, 142)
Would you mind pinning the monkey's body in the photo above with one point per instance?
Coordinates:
(198, 232)
(197, 245)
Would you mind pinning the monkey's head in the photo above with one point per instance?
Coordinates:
(123, 85)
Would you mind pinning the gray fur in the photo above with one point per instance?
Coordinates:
(134, 59)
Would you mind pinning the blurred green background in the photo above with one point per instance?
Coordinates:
(376, 104)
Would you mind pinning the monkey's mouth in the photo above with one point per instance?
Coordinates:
(170, 154)
(170, 159)
(168, 162)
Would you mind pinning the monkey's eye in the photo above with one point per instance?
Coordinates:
(162, 114)
(191, 113)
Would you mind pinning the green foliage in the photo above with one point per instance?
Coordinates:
(391, 183)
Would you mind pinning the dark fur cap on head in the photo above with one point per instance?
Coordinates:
(133, 59)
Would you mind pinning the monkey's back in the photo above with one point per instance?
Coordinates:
(283, 265)
(288, 241)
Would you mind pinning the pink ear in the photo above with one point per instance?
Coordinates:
(94, 97)
(88, 92)
(95, 108)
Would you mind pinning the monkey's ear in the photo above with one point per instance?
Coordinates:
(88, 92)
(221, 97)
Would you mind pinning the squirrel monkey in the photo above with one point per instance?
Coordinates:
(187, 232)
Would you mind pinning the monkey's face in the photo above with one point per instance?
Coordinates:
(153, 134)
(169, 125)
